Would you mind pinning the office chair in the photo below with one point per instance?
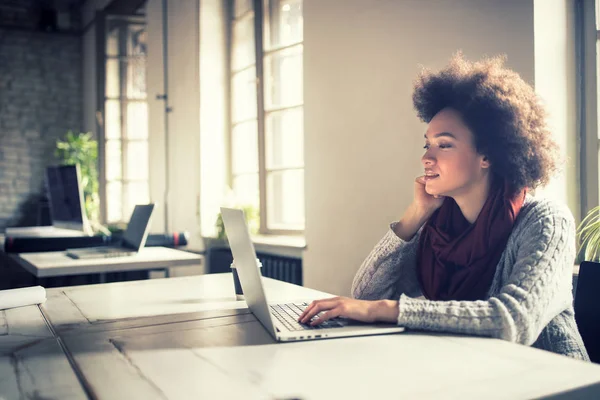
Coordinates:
(587, 307)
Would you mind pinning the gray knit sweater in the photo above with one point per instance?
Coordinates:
(529, 302)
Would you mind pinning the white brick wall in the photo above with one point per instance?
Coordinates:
(40, 100)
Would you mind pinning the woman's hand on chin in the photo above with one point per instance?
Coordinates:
(422, 207)
(423, 202)
(360, 310)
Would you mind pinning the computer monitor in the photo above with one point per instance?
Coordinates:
(65, 196)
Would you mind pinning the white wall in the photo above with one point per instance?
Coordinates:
(363, 141)
(183, 161)
(555, 82)
(214, 81)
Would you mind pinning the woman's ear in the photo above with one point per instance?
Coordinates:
(485, 162)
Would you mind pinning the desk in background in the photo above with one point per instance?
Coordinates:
(50, 269)
(189, 338)
(57, 263)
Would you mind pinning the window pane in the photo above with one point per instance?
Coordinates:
(136, 78)
(284, 23)
(112, 127)
(597, 15)
(136, 40)
(137, 160)
(283, 78)
(137, 193)
(244, 148)
(112, 78)
(243, 53)
(241, 7)
(245, 188)
(113, 205)
(113, 160)
(599, 162)
(285, 139)
(285, 194)
(112, 40)
(137, 120)
(598, 75)
(244, 95)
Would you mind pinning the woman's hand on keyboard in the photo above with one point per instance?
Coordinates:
(360, 310)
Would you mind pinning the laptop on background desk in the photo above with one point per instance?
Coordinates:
(67, 212)
(280, 320)
(133, 240)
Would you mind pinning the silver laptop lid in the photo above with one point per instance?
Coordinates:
(245, 262)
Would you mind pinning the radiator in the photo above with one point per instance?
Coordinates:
(287, 269)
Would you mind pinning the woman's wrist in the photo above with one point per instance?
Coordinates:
(410, 223)
(386, 310)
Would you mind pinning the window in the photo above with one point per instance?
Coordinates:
(267, 134)
(596, 141)
(125, 135)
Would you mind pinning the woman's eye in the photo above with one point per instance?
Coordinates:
(426, 147)
(445, 146)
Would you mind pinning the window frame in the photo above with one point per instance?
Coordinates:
(587, 36)
(102, 19)
(258, 8)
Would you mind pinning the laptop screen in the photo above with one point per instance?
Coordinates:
(65, 196)
(137, 229)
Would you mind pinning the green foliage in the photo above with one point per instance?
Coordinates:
(252, 217)
(588, 233)
(82, 149)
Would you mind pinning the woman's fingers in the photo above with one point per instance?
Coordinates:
(335, 312)
(316, 307)
(307, 310)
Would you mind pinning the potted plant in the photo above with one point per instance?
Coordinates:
(588, 234)
(252, 217)
(82, 149)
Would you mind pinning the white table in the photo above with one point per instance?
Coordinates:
(189, 338)
(32, 362)
(57, 263)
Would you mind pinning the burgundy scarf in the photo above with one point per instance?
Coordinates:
(457, 260)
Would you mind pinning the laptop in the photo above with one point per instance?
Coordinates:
(67, 212)
(133, 240)
(281, 320)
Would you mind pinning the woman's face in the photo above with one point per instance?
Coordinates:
(453, 167)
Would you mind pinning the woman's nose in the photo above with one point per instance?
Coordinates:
(427, 159)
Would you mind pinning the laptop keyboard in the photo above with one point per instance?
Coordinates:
(288, 314)
(114, 252)
(117, 254)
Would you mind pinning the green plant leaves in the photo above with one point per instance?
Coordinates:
(588, 233)
(82, 149)
(252, 218)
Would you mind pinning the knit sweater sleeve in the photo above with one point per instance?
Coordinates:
(389, 270)
(536, 289)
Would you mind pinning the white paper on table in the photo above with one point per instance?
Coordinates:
(12, 298)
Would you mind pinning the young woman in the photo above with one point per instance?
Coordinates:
(475, 253)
